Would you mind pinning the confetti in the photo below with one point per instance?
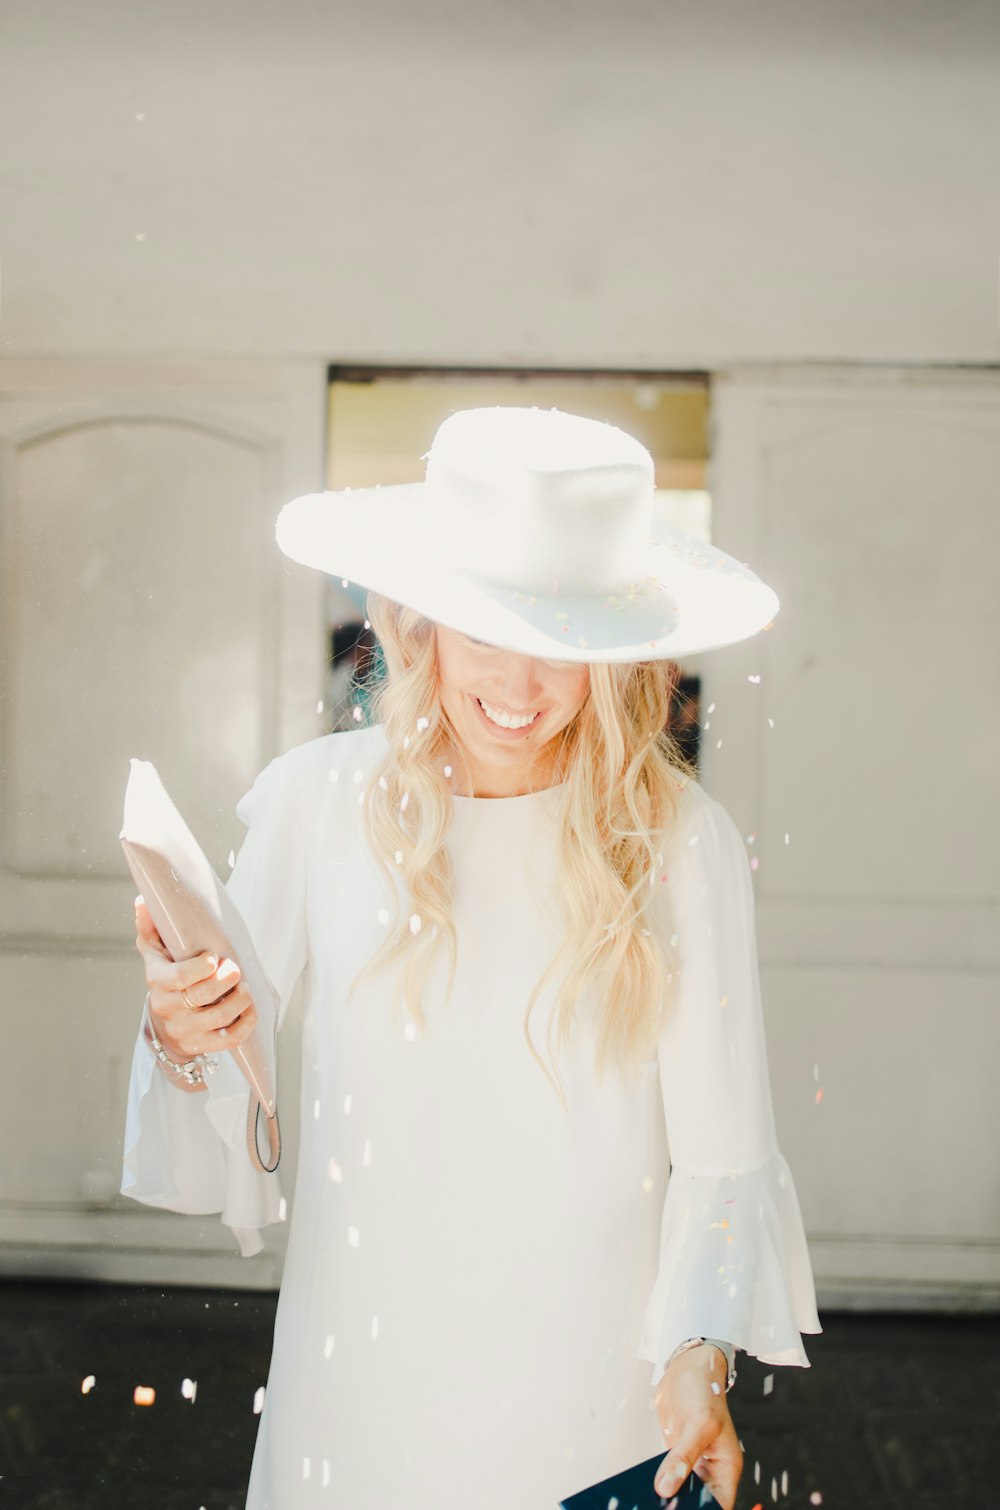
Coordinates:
(319, 706)
(768, 1383)
(754, 862)
(359, 776)
(335, 1172)
(143, 1394)
(367, 1155)
(756, 1473)
(647, 1184)
(819, 1095)
(753, 678)
(711, 708)
(415, 923)
(383, 783)
(357, 714)
(282, 1209)
(723, 1001)
(771, 722)
(404, 802)
(258, 1401)
(784, 1481)
(316, 1111)
(326, 1473)
(774, 1489)
(347, 1106)
(716, 1388)
(815, 1071)
(328, 1347)
(447, 770)
(815, 1498)
(718, 744)
(306, 1469)
(409, 1031)
(423, 723)
(189, 1389)
(87, 1384)
(399, 857)
(383, 915)
(232, 858)
(353, 1237)
(786, 838)
(374, 1328)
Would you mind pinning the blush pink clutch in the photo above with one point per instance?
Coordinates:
(194, 913)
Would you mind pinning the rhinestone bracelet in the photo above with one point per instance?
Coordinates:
(192, 1070)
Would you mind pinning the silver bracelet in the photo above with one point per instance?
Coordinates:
(192, 1070)
(726, 1348)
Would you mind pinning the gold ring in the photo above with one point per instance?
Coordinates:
(187, 1000)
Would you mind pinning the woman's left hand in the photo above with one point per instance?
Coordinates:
(697, 1426)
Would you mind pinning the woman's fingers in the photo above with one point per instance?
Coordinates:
(716, 1455)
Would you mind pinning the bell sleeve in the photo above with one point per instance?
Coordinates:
(185, 1151)
(733, 1258)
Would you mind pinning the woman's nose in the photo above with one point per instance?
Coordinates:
(521, 687)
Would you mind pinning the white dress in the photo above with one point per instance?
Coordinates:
(476, 1284)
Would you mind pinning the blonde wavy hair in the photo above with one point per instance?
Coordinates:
(622, 770)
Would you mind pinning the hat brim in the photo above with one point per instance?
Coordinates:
(686, 596)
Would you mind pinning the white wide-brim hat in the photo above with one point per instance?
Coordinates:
(534, 530)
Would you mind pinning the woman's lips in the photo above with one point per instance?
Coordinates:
(497, 730)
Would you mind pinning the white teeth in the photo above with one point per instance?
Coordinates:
(504, 719)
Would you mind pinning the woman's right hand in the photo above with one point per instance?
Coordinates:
(222, 1013)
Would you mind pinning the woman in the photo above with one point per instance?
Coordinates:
(529, 945)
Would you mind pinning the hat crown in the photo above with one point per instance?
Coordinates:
(537, 497)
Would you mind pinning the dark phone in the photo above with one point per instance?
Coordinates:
(633, 1489)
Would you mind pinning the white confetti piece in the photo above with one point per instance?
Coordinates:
(647, 1184)
(328, 1347)
(353, 1237)
(711, 708)
(347, 1105)
(399, 857)
(718, 744)
(282, 1209)
(87, 1384)
(768, 1383)
(359, 776)
(316, 1111)
(771, 723)
(357, 714)
(232, 858)
(756, 1473)
(784, 1481)
(335, 1172)
(423, 723)
(774, 1489)
(383, 783)
(753, 678)
(258, 1401)
(815, 1498)
(306, 1468)
(189, 1389)
(319, 706)
(326, 1473)
(447, 770)
(409, 1031)
(404, 802)
(415, 923)
(366, 1157)
(383, 915)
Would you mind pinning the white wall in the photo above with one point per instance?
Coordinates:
(567, 182)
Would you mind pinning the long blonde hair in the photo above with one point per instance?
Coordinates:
(622, 770)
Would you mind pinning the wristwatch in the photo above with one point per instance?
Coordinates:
(725, 1347)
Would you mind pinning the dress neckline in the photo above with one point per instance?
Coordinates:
(541, 791)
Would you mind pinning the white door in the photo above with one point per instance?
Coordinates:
(864, 768)
(146, 611)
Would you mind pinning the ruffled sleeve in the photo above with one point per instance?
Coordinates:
(733, 1256)
(187, 1152)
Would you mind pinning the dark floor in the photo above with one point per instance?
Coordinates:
(896, 1411)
